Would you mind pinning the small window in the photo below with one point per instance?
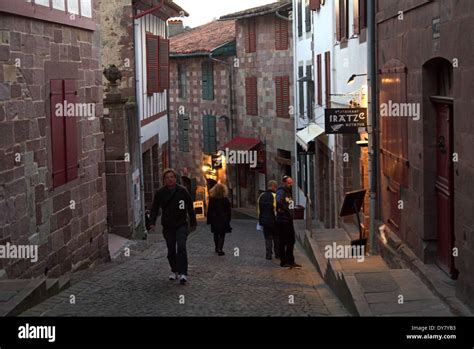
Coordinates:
(42, 2)
(73, 6)
(59, 5)
(86, 8)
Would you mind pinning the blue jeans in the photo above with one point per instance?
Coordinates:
(176, 242)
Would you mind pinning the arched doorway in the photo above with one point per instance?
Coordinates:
(439, 154)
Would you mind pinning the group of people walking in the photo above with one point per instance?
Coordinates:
(175, 203)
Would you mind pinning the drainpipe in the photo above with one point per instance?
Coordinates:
(170, 164)
(372, 122)
(138, 132)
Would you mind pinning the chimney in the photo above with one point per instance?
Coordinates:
(175, 27)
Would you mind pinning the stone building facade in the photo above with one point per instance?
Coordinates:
(201, 111)
(134, 38)
(264, 94)
(52, 182)
(427, 166)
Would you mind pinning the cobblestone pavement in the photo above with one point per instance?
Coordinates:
(244, 285)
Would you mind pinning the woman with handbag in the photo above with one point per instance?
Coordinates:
(219, 215)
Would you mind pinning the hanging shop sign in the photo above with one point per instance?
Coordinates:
(346, 120)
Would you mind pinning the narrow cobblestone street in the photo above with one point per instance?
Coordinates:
(244, 285)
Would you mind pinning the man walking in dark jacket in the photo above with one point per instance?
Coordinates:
(175, 204)
(284, 223)
(266, 208)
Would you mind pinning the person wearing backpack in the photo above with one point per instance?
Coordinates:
(266, 210)
(176, 205)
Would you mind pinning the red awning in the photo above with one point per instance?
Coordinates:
(241, 143)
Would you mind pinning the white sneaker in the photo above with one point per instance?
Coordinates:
(173, 276)
(182, 279)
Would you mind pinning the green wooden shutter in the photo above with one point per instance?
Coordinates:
(207, 81)
(209, 136)
(183, 132)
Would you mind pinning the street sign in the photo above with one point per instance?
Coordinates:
(346, 120)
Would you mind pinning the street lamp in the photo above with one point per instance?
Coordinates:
(352, 78)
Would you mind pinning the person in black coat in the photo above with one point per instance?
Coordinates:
(176, 206)
(219, 215)
(266, 210)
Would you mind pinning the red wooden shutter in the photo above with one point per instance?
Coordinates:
(251, 95)
(315, 5)
(319, 81)
(338, 19)
(281, 34)
(152, 66)
(251, 37)
(164, 58)
(278, 96)
(356, 16)
(285, 95)
(58, 144)
(70, 132)
(394, 130)
(327, 63)
(282, 95)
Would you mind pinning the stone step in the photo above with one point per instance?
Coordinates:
(52, 287)
(17, 296)
(370, 287)
(64, 282)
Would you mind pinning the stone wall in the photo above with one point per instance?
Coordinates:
(68, 222)
(265, 64)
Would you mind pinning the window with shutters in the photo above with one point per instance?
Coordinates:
(320, 80)
(183, 132)
(281, 34)
(209, 134)
(207, 70)
(157, 63)
(307, 17)
(360, 15)
(75, 13)
(152, 64)
(310, 92)
(300, 17)
(327, 66)
(251, 95)
(63, 133)
(300, 92)
(164, 65)
(182, 82)
(342, 20)
(282, 92)
(251, 35)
